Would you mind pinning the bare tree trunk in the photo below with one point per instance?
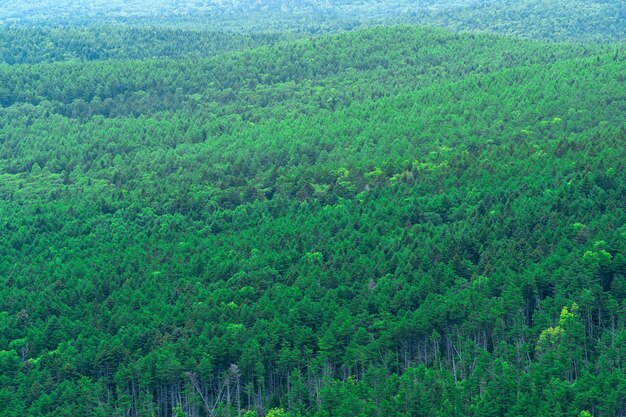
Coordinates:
(259, 400)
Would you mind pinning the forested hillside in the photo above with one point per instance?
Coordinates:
(560, 20)
(395, 221)
(37, 45)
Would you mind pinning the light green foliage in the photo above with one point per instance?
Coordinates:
(601, 256)
(178, 411)
(277, 412)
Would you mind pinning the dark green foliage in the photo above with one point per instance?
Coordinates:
(388, 222)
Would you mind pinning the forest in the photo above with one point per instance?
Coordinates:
(365, 217)
(554, 20)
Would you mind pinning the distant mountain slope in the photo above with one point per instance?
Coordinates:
(574, 20)
(556, 20)
(36, 45)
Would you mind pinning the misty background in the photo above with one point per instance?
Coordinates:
(591, 20)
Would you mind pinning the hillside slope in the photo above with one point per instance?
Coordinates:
(554, 20)
(389, 222)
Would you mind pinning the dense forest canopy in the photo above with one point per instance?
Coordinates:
(588, 20)
(37, 45)
(293, 219)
